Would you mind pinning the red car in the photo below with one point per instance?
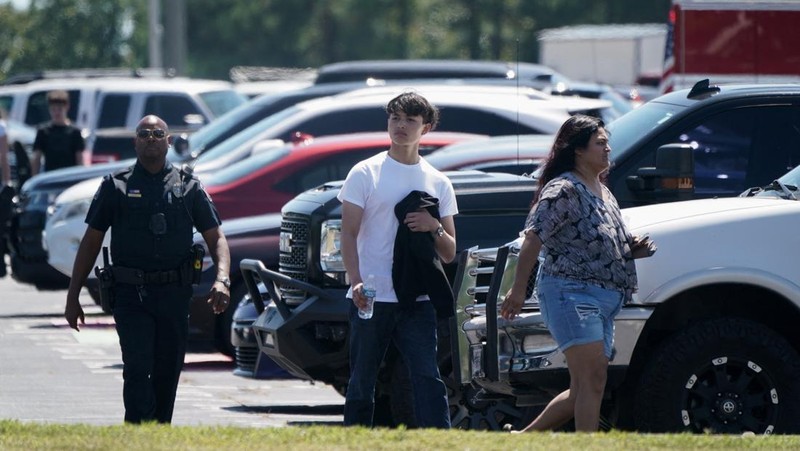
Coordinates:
(265, 181)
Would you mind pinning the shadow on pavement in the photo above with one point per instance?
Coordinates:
(52, 316)
(325, 409)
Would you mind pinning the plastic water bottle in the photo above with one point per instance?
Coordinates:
(369, 291)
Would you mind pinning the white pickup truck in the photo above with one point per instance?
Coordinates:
(709, 343)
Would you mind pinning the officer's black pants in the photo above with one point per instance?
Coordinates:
(152, 324)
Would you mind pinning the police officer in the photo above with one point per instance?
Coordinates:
(151, 208)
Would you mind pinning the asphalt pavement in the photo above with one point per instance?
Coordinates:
(50, 373)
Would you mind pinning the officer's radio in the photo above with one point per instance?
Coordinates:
(193, 266)
(196, 263)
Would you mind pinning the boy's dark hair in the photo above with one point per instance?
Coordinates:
(414, 104)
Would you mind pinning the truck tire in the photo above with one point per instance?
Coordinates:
(496, 414)
(722, 376)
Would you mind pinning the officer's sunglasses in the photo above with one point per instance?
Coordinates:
(156, 133)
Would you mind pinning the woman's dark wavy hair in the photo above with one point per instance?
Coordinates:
(574, 133)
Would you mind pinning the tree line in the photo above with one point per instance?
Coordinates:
(71, 34)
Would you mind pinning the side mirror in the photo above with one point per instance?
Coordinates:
(671, 179)
(181, 144)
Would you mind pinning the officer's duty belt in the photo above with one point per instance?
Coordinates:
(138, 277)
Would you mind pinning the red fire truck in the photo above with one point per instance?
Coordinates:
(732, 41)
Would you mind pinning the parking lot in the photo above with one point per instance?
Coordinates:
(51, 374)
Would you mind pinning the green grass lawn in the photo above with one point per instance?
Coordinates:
(18, 436)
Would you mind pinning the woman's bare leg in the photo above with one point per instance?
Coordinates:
(588, 370)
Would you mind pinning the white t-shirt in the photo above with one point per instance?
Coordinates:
(376, 185)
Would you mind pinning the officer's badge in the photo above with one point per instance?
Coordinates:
(134, 193)
(177, 190)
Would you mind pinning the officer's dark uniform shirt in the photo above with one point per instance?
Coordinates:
(59, 144)
(128, 208)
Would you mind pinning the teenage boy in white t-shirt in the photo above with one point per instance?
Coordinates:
(369, 226)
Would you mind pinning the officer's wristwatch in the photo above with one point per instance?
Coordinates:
(440, 230)
(225, 281)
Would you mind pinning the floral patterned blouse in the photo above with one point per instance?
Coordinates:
(583, 237)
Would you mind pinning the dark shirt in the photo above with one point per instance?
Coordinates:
(59, 144)
(583, 237)
(151, 216)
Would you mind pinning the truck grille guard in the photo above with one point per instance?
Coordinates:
(254, 272)
(488, 346)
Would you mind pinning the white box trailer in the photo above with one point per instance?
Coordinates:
(612, 54)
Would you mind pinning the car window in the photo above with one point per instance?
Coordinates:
(721, 144)
(113, 110)
(223, 126)
(173, 109)
(247, 166)
(114, 147)
(455, 119)
(469, 120)
(251, 135)
(38, 112)
(334, 167)
(363, 119)
(743, 147)
(626, 130)
(6, 102)
(220, 102)
(776, 147)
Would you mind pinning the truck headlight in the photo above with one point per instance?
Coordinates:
(330, 250)
(539, 344)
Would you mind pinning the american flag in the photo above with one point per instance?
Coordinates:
(667, 82)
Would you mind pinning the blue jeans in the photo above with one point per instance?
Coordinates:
(414, 334)
(577, 312)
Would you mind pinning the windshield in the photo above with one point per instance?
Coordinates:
(220, 102)
(792, 177)
(200, 139)
(626, 130)
(247, 166)
(786, 187)
(244, 136)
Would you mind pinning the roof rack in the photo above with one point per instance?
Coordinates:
(28, 77)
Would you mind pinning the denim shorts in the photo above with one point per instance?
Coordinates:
(577, 312)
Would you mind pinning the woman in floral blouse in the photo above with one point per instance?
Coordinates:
(586, 269)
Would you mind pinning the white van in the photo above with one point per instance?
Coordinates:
(119, 103)
(27, 103)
